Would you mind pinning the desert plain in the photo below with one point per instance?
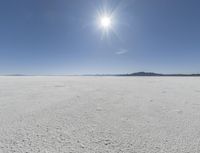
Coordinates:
(91, 114)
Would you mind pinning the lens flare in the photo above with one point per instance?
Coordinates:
(105, 22)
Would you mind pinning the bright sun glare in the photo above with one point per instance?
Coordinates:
(105, 22)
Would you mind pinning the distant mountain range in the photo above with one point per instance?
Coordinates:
(128, 74)
(156, 74)
(146, 74)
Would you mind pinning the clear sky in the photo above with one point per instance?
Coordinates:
(64, 36)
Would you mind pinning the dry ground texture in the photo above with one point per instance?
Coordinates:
(99, 114)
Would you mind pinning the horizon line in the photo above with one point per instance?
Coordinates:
(141, 73)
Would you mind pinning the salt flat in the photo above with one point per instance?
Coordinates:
(99, 114)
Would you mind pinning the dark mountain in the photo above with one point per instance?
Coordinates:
(155, 74)
(145, 74)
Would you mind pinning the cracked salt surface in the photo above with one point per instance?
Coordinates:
(99, 114)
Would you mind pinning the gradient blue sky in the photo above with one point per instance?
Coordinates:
(62, 37)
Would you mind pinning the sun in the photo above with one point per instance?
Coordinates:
(105, 22)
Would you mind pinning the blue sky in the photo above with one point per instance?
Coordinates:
(63, 37)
